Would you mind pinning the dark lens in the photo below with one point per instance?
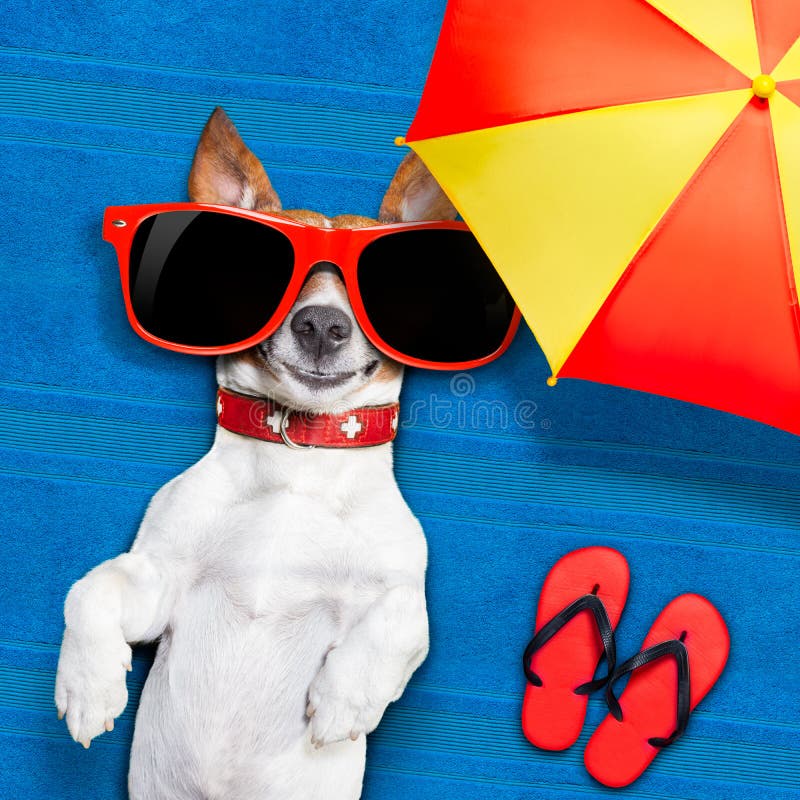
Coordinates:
(434, 295)
(205, 278)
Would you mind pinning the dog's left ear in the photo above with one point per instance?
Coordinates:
(226, 172)
(414, 195)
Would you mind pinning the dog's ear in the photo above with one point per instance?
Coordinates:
(414, 195)
(226, 172)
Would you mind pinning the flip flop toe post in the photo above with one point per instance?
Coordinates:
(681, 658)
(579, 606)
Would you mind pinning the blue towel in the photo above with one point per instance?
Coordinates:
(103, 104)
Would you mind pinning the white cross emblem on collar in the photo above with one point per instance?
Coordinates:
(351, 427)
(274, 422)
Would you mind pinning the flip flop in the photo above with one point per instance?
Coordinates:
(644, 720)
(579, 607)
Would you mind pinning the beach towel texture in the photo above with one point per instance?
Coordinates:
(103, 103)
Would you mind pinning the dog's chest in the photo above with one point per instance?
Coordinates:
(287, 556)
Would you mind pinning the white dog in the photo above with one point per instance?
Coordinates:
(285, 586)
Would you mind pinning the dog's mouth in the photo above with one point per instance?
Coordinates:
(318, 379)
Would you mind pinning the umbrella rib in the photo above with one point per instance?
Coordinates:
(788, 67)
(791, 258)
(748, 63)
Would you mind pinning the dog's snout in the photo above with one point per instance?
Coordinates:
(320, 330)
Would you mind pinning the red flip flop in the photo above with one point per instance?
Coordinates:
(579, 607)
(644, 720)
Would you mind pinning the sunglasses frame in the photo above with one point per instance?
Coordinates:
(311, 245)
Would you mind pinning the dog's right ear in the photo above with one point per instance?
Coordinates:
(414, 195)
(226, 172)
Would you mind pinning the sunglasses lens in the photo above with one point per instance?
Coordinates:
(205, 278)
(434, 295)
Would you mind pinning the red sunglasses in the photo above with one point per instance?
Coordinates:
(211, 279)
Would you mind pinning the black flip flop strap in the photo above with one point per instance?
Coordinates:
(594, 604)
(673, 647)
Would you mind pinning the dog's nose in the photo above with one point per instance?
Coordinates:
(320, 330)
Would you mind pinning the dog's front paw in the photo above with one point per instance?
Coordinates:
(90, 683)
(340, 706)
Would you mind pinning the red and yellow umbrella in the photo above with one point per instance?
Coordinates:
(632, 169)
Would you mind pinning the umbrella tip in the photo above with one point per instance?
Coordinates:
(764, 86)
(400, 140)
(552, 380)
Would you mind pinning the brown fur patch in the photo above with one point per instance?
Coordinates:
(387, 371)
(307, 217)
(321, 280)
(255, 357)
(321, 221)
(353, 221)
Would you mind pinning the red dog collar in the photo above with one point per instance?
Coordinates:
(265, 419)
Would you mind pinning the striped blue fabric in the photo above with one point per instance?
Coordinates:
(102, 104)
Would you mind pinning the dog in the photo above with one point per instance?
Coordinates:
(285, 586)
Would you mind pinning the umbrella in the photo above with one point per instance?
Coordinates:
(632, 169)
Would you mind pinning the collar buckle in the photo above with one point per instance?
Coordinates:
(285, 414)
